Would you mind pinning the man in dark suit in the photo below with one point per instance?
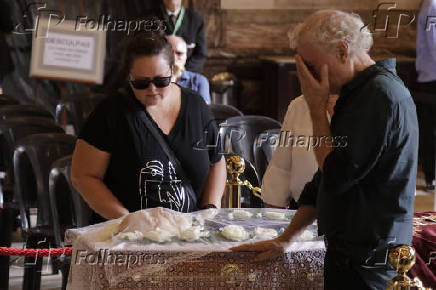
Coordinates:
(189, 25)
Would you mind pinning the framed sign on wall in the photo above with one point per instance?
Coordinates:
(64, 53)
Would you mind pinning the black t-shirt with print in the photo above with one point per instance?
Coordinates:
(153, 181)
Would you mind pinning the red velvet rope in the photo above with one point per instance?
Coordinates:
(4, 251)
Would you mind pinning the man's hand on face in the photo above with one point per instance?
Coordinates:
(316, 92)
(267, 249)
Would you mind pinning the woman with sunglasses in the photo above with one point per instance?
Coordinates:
(119, 166)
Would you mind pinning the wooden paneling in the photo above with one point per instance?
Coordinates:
(313, 4)
(253, 29)
(247, 4)
(239, 31)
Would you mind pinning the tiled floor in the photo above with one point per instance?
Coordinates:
(424, 201)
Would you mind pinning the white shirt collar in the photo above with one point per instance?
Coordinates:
(174, 13)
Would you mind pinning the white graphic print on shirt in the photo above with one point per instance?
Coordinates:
(167, 189)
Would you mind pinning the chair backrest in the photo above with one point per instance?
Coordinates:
(14, 111)
(77, 108)
(82, 212)
(60, 199)
(238, 134)
(68, 209)
(263, 148)
(33, 159)
(8, 100)
(223, 112)
(12, 130)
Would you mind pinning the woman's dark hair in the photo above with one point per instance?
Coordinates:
(146, 44)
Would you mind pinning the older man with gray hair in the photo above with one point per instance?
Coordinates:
(363, 193)
(183, 77)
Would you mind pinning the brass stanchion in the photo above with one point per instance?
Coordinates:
(403, 258)
(232, 198)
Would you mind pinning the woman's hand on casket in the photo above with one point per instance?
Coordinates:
(136, 221)
(88, 169)
(267, 249)
(127, 220)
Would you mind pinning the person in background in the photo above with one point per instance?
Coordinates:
(6, 27)
(189, 25)
(363, 192)
(119, 166)
(426, 83)
(183, 77)
(292, 166)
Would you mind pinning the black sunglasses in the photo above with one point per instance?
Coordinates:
(143, 83)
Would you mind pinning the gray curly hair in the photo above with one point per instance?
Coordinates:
(329, 27)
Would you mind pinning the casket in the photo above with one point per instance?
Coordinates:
(100, 260)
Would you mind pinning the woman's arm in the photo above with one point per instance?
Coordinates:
(215, 184)
(88, 168)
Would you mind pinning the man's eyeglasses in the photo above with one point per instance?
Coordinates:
(143, 83)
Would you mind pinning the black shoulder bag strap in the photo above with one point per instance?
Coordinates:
(171, 156)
